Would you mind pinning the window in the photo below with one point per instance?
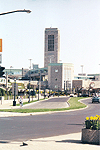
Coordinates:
(50, 42)
(56, 86)
(56, 70)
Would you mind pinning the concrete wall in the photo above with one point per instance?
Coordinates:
(91, 136)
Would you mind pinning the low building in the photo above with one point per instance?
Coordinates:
(81, 83)
(16, 73)
(91, 82)
(60, 76)
(96, 77)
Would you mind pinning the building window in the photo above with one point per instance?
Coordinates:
(56, 86)
(50, 42)
(56, 70)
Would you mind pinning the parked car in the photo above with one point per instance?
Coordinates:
(84, 95)
(73, 95)
(95, 99)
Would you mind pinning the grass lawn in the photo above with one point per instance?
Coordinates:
(74, 104)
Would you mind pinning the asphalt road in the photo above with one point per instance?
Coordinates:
(46, 125)
(60, 102)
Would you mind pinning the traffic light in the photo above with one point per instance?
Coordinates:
(1, 71)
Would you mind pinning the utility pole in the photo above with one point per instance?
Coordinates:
(30, 63)
(82, 68)
(14, 102)
(38, 92)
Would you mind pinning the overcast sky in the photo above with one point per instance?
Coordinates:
(23, 34)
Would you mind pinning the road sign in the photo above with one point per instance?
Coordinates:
(0, 45)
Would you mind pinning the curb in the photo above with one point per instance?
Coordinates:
(10, 114)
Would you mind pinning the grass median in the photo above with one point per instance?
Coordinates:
(73, 102)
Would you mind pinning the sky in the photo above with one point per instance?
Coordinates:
(22, 34)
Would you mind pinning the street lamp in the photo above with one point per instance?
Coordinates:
(14, 102)
(27, 11)
(38, 91)
(49, 90)
(58, 91)
(82, 68)
(64, 86)
(29, 79)
(10, 70)
(7, 84)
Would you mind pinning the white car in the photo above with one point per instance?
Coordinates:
(72, 95)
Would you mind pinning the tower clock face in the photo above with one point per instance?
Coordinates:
(92, 84)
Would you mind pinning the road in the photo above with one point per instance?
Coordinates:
(45, 125)
(60, 102)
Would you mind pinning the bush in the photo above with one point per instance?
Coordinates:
(2, 92)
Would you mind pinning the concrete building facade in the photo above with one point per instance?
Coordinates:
(52, 46)
(60, 75)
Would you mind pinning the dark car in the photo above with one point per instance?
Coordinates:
(84, 95)
(95, 99)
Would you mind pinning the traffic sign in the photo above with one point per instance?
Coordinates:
(0, 45)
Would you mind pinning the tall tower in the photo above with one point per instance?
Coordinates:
(52, 46)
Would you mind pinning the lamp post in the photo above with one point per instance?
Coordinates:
(29, 79)
(38, 91)
(82, 68)
(24, 10)
(49, 90)
(7, 84)
(14, 102)
(39, 84)
(33, 93)
(64, 86)
(58, 91)
(44, 92)
(78, 91)
(10, 70)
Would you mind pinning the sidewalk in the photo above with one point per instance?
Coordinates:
(62, 142)
(8, 104)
